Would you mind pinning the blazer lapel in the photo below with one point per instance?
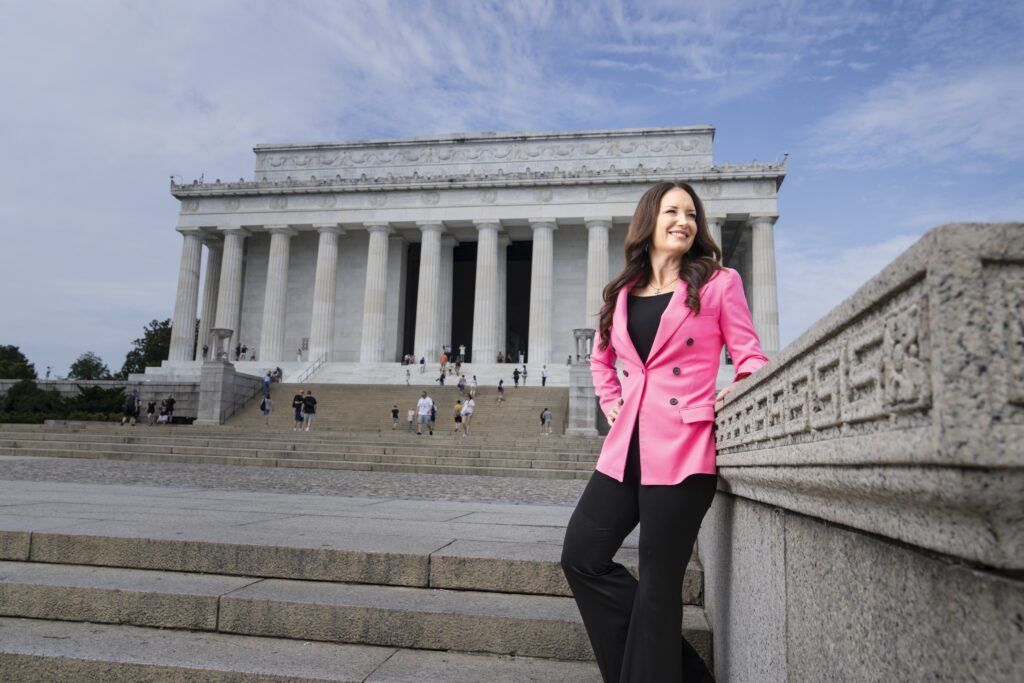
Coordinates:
(675, 313)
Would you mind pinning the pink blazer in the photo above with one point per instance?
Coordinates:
(673, 393)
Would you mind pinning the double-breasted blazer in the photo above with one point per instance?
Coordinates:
(673, 393)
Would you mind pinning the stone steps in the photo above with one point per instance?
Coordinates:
(37, 650)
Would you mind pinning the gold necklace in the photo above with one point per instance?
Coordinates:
(657, 290)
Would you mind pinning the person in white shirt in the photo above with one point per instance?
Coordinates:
(424, 406)
(472, 388)
(543, 375)
(467, 414)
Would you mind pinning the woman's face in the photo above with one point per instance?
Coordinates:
(676, 228)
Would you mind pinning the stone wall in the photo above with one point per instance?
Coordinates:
(186, 394)
(868, 523)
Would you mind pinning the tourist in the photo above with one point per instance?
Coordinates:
(467, 415)
(515, 376)
(170, 409)
(545, 420)
(245, 352)
(48, 368)
(411, 417)
(266, 405)
(297, 405)
(524, 374)
(458, 416)
(252, 355)
(394, 417)
(462, 385)
(444, 361)
(472, 388)
(266, 383)
(568, 361)
(500, 357)
(462, 353)
(543, 375)
(206, 351)
(298, 355)
(423, 408)
(522, 357)
(441, 378)
(162, 419)
(501, 390)
(151, 413)
(308, 409)
(458, 366)
(408, 376)
(238, 351)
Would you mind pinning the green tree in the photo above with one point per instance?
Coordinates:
(89, 366)
(27, 397)
(14, 364)
(150, 349)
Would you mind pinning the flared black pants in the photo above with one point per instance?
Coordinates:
(634, 626)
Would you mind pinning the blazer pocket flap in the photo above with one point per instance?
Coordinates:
(698, 413)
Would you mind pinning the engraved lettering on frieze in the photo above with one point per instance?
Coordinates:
(430, 198)
(825, 410)
(905, 360)
(279, 202)
(861, 384)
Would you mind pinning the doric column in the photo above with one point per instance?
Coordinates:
(229, 294)
(183, 324)
(214, 250)
(275, 299)
(765, 293)
(427, 342)
(321, 328)
(485, 296)
(597, 267)
(375, 294)
(541, 277)
(503, 242)
(715, 228)
(447, 276)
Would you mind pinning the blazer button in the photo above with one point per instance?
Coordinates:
(675, 371)
(673, 401)
(689, 341)
(626, 373)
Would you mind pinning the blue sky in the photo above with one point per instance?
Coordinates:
(897, 117)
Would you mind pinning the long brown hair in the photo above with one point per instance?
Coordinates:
(695, 268)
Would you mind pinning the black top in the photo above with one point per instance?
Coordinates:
(643, 314)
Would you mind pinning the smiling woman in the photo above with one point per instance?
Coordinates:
(665, 318)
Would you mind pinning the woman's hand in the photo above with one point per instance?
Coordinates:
(614, 412)
(720, 399)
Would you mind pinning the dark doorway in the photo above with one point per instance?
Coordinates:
(412, 284)
(517, 299)
(463, 297)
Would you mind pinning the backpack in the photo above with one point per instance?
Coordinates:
(263, 404)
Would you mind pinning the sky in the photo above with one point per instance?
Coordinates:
(897, 117)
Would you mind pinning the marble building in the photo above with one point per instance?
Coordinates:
(361, 252)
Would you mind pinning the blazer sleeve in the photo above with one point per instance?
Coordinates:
(606, 378)
(738, 329)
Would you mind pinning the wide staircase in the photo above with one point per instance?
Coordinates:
(367, 407)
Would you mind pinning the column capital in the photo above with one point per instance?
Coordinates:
(189, 230)
(768, 218)
(213, 243)
(334, 228)
(233, 230)
(715, 218)
(486, 225)
(281, 229)
(504, 240)
(379, 227)
(448, 241)
(543, 223)
(430, 226)
(598, 222)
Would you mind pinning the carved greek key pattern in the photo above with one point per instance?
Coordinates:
(871, 371)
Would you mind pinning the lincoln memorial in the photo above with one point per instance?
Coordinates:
(353, 254)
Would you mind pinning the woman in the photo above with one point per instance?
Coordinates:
(467, 415)
(458, 416)
(665, 317)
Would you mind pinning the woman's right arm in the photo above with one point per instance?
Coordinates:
(606, 377)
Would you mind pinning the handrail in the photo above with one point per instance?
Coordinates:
(308, 372)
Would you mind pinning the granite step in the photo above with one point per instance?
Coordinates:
(38, 650)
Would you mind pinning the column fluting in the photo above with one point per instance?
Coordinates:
(321, 327)
(447, 289)
(597, 267)
(503, 242)
(541, 283)
(229, 294)
(183, 324)
(375, 293)
(485, 296)
(715, 228)
(211, 283)
(764, 289)
(427, 342)
(275, 299)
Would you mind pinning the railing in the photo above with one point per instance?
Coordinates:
(308, 372)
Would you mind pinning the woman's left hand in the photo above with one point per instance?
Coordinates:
(720, 399)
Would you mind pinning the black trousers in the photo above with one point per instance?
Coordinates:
(634, 626)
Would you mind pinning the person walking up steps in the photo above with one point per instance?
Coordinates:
(462, 385)
(423, 408)
(408, 376)
(394, 417)
(458, 416)
(545, 421)
(309, 409)
(467, 415)
(543, 375)
(515, 376)
(472, 388)
(297, 405)
(266, 405)
(524, 374)
(501, 390)
(411, 417)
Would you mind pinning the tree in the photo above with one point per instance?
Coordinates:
(14, 364)
(89, 366)
(150, 349)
